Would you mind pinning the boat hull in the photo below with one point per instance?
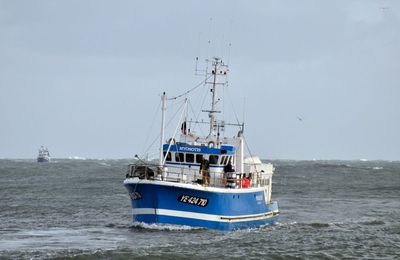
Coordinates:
(198, 206)
(43, 159)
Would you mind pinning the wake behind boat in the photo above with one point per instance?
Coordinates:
(203, 181)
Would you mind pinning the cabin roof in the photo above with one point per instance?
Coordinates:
(200, 149)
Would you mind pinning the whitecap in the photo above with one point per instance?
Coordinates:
(105, 164)
(76, 158)
(163, 227)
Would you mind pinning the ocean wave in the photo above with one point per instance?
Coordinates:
(105, 164)
(372, 222)
(319, 225)
(76, 158)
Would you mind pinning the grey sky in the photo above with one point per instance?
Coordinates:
(83, 77)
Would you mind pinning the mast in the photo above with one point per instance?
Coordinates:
(214, 97)
(163, 109)
(218, 69)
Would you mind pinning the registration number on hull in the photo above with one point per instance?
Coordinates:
(193, 200)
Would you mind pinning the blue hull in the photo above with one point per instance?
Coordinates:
(224, 209)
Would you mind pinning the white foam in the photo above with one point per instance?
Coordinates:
(160, 226)
(104, 164)
(377, 168)
(76, 158)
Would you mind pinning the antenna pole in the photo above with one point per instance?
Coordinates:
(163, 109)
(214, 97)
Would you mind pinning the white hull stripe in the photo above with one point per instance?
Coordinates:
(202, 216)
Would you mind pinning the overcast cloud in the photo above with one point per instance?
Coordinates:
(84, 77)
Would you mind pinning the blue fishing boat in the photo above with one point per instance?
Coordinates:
(203, 181)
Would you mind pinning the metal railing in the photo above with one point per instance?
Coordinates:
(181, 174)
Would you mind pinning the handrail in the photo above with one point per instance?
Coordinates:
(225, 180)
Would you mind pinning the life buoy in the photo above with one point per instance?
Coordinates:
(171, 141)
(211, 144)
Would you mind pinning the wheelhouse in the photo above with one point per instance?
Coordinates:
(192, 155)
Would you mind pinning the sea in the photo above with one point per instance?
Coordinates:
(79, 209)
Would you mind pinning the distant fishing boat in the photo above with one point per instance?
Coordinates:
(44, 155)
(203, 181)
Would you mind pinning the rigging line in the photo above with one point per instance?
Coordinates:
(153, 154)
(176, 131)
(233, 108)
(248, 149)
(190, 90)
(152, 124)
(168, 123)
(198, 114)
(201, 130)
(176, 112)
(198, 101)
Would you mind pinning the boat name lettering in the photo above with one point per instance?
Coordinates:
(193, 200)
(189, 149)
(135, 195)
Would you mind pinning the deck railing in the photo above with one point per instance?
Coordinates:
(178, 174)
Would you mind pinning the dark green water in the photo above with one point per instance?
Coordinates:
(80, 209)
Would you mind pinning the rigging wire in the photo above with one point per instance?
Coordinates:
(176, 131)
(248, 149)
(244, 138)
(192, 89)
(168, 123)
(200, 110)
(233, 108)
(151, 126)
(173, 117)
(196, 123)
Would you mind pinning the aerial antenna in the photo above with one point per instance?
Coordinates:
(222, 46)
(209, 37)
(197, 54)
(229, 42)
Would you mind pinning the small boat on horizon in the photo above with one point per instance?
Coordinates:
(44, 155)
(203, 180)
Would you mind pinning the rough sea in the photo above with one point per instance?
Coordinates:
(79, 209)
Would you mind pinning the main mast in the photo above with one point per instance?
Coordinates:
(212, 113)
(218, 69)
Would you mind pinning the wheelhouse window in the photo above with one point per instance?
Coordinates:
(199, 158)
(179, 157)
(213, 159)
(224, 160)
(189, 157)
(168, 156)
